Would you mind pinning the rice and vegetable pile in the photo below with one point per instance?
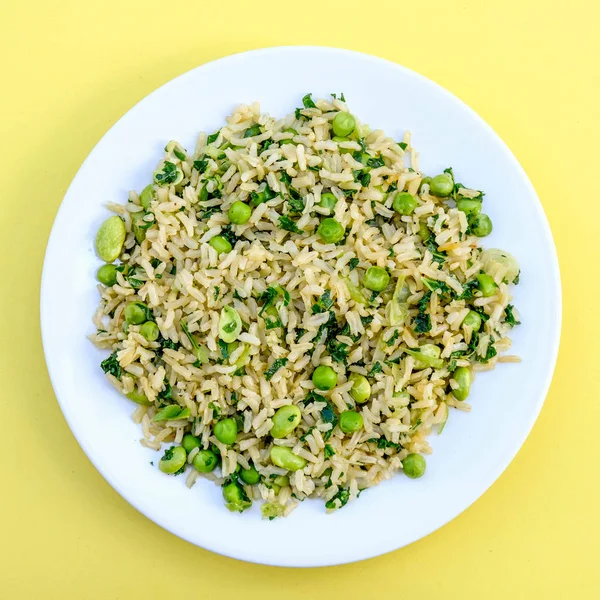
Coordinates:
(295, 307)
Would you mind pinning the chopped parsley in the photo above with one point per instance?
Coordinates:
(277, 364)
(353, 263)
(111, 365)
(434, 285)
(328, 451)
(168, 175)
(213, 137)
(509, 317)
(270, 294)
(422, 322)
(439, 257)
(323, 304)
(328, 416)
(136, 284)
(339, 500)
(224, 348)
(403, 145)
(286, 223)
(307, 101)
(201, 165)
(338, 351)
(304, 436)
(299, 333)
(168, 343)
(468, 288)
(252, 131)
(376, 368)
(228, 234)
(216, 409)
(365, 179)
(216, 293)
(295, 204)
(167, 393)
(393, 338)
(375, 163)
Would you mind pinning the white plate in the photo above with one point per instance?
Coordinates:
(474, 449)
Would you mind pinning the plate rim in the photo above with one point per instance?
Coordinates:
(544, 386)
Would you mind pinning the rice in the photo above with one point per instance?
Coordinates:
(301, 303)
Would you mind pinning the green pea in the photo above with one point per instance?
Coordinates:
(150, 331)
(205, 461)
(441, 185)
(376, 279)
(472, 320)
(220, 244)
(250, 476)
(107, 275)
(226, 431)
(235, 498)
(173, 460)
(487, 285)
(282, 456)
(361, 388)
(468, 206)
(239, 213)
(414, 466)
(147, 195)
(424, 232)
(110, 239)
(230, 324)
(324, 378)
(425, 180)
(136, 313)
(464, 378)
(330, 231)
(285, 420)
(481, 225)
(351, 421)
(404, 203)
(189, 442)
(328, 200)
(343, 124)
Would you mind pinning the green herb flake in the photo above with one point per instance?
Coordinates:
(422, 322)
(252, 131)
(168, 174)
(111, 365)
(353, 263)
(307, 101)
(376, 368)
(288, 225)
(509, 317)
(323, 304)
(328, 451)
(213, 137)
(277, 364)
(339, 500)
(393, 338)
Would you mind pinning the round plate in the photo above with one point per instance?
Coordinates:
(475, 447)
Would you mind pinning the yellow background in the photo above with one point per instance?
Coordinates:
(70, 69)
